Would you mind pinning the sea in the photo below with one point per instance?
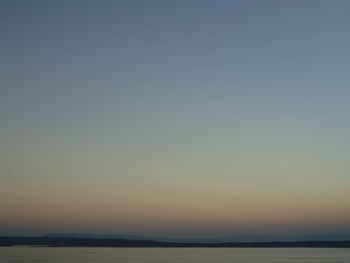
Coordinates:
(173, 255)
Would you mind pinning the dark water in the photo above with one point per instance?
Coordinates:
(173, 255)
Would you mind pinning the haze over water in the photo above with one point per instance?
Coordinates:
(174, 255)
(176, 118)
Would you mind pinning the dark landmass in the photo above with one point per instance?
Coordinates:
(112, 242)
(226, 239)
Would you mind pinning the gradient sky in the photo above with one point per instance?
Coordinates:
(177, 118)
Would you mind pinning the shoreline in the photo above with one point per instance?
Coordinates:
(11, 241)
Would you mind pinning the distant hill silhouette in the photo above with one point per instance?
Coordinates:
(113, 242)
(234, 238)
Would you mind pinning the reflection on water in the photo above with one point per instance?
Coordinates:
(173, 255)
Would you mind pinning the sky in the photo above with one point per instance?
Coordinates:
(187, 118)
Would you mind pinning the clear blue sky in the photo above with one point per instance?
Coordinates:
(190, 118)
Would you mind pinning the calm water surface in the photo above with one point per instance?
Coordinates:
(173, 255)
